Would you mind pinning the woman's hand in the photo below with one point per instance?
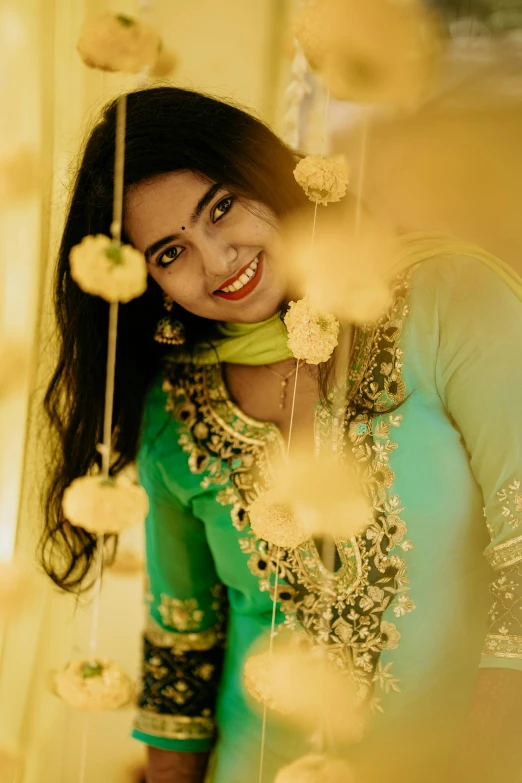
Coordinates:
(170, 766)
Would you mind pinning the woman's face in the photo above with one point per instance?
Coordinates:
(210, 252)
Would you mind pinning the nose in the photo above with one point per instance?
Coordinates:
(218, 259)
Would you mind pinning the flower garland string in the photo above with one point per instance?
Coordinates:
(105, 448)
(323, 181)
(102, 266)
(321, 765)
(290, 433)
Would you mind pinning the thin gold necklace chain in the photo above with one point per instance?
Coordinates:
(283, 379)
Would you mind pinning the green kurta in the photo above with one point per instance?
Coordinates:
(419, 607)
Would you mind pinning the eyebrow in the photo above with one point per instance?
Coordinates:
(196, 214)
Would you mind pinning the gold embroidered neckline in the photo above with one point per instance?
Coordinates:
(360, 356)
(256, 433)
(216, 378)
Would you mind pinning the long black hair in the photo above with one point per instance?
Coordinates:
(168, 129)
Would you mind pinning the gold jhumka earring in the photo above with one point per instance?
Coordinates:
(169, 330)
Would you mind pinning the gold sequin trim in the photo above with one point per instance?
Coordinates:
(177, 727)
(183, 642)
(506, 554)
(503, 646)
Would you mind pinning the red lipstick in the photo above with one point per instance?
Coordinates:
(247, 289)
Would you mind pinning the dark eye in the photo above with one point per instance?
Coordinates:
(222, 208)
(169, 255)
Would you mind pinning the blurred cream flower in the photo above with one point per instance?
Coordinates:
(105, 505)
(94, 685)
(316, 769)
(323, 179)
(376, 51)
(13, 364)
(303, 688)
(312, 336)
(19, 175)
(318, 494)
(116, 42)
(104, 268)
(165, 64)
(16, 588)
(344, 271)
(257, 675)
(306, 23)
(276, 522)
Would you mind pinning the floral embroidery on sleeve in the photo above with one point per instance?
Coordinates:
(511, 499)
(504, 639)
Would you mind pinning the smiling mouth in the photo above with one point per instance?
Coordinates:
(244, 282)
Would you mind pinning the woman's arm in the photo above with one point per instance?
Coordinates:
(479, 377)
(184, 635)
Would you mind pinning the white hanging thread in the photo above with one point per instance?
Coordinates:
(105, 448)
(294, 143)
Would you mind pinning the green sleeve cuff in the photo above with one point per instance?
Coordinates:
(187, 746)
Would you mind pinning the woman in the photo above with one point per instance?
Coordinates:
(432, 417)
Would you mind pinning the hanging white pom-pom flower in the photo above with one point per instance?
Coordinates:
(323, 179)
(274, 521)
(94, 685)
(105, 505)
(102, 267)
(117, 42)
(312, 336)
(316, 768)
(16, 586)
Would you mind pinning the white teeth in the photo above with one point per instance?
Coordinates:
(245, 278)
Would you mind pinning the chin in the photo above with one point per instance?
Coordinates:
(258, 311)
